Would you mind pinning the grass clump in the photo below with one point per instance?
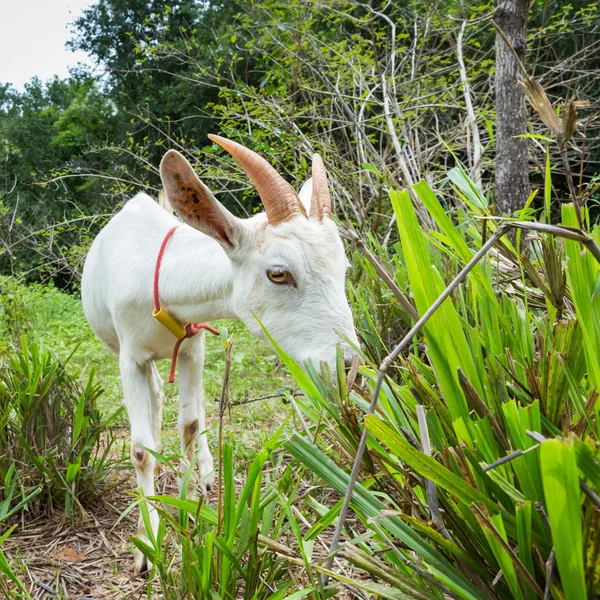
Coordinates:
(55, 445)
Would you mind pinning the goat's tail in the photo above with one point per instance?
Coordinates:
(163, 200)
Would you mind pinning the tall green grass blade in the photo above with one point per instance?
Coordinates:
(443, 332)
(505, 560)
(523, 515)
(368, 505)
(563, 503)
(427, 466)
(582, 274)
(548, 189)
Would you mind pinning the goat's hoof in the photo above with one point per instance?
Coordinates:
(208, 483)
(142, 566)
(207, 472)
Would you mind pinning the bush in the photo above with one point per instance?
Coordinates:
(502, 386)
(51, 429)
(16, 318)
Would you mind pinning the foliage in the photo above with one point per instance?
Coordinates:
(43, 133)
(52, 429)
(10, 584)
(254, 543)
(222, 549)
(512, 352)
(15, 318)
(376, 88)
(379, 90)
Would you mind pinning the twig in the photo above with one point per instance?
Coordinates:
(508, 458)
(258, 398)
(570, 233)
(539, 507)
(223, 405)
(504, 460)
(353, 237)
(37, 581)
(549, 574)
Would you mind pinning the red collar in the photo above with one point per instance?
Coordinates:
(181, 332)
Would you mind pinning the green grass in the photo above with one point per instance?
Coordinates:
(512, 351)
(54, 446)
(57, 322)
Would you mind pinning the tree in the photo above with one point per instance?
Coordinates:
(512, 169)
(156, 93)
(47, 131)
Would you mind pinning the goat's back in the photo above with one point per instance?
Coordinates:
(117, 272)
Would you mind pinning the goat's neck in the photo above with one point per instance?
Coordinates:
(196, 279)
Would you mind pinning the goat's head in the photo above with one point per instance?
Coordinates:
(288, 264)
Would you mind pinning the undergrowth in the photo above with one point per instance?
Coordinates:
(482, 471)
(55, 445)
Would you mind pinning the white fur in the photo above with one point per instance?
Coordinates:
(202, 281)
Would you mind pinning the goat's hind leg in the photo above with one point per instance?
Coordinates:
(138, 394)
(156, 405)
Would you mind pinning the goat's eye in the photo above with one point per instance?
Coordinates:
(281, 276)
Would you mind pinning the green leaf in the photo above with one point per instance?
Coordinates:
(560, 476)
(368, 505)
(443, 332)
(426, 465)
(523, 514)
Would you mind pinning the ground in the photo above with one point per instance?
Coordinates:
(91, 557)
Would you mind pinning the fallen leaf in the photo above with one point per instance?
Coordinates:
(69, 554)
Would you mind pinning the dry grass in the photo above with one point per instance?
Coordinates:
(88, 559)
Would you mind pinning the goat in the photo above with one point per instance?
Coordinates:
(285, 266)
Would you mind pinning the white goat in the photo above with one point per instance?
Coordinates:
(286, 266)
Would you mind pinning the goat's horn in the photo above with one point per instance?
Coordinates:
(320, 202)
(278, 197)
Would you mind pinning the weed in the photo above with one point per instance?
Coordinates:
(52, 430)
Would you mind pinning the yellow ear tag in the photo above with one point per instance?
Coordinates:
(164, 318)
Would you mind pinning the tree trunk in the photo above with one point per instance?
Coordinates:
(512, 172)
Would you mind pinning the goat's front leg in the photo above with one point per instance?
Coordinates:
(191, 415)
(138, 394)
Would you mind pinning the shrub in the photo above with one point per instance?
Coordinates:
(16, 318)
(51, 429)
(231, 548)
(490, 415)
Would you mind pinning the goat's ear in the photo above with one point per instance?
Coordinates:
(194, 202)
(306, 194)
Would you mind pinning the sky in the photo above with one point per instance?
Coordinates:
(33, 34)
